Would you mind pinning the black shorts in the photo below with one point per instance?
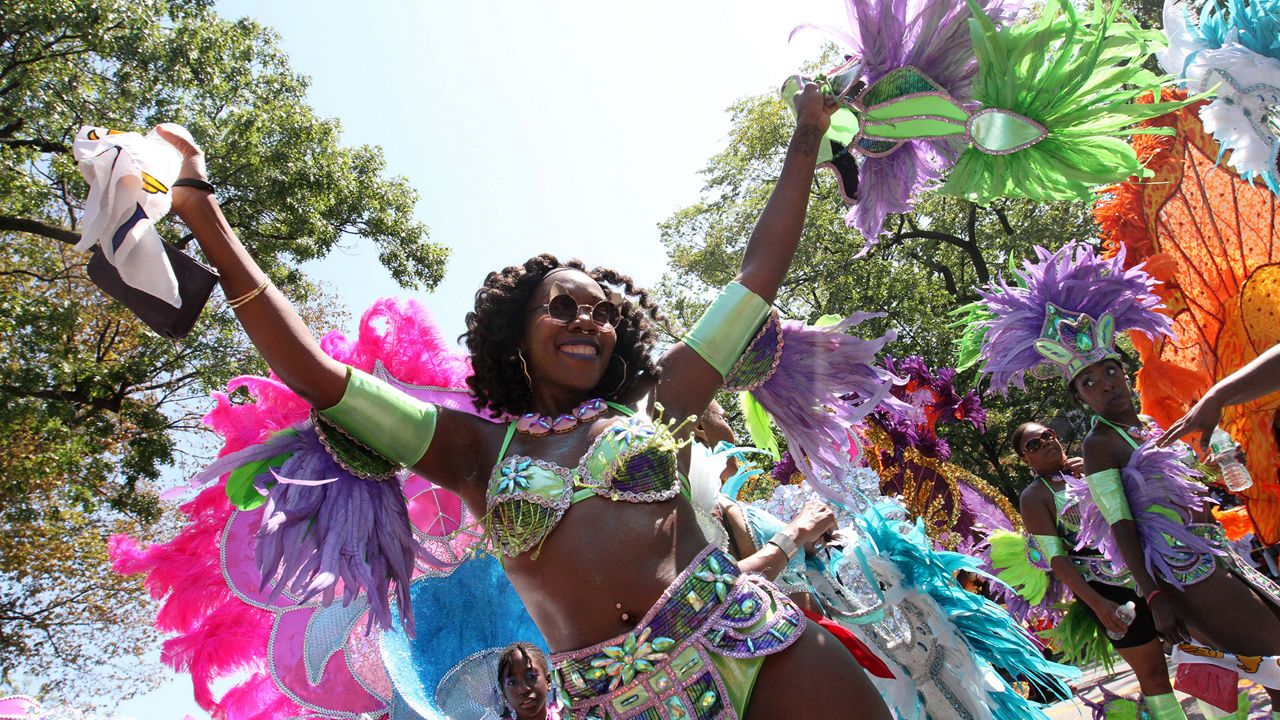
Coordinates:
(1143, 628)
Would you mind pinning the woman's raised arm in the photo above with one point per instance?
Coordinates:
(273, 325)
(700, 362)
(395, 425)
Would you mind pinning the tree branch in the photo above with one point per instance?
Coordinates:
(44, 278)
(45, 146)
(1004, 221)
(35, 227)
(78, 397)
(974, 251)
(948, 277)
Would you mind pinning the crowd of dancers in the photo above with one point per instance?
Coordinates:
(553, 524)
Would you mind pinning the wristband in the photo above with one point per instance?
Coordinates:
(785, 544)
(728, 326)
(1108, 494)
(388, 421)
(196, 183)
(1152, 596)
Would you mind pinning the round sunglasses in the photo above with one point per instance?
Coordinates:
(564, 310)
(1038, 442)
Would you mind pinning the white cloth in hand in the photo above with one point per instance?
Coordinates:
(130, 177)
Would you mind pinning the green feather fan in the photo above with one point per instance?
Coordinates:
(1076, 75)
(1009, 558)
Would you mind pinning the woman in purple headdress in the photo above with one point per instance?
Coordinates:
(582, 492)
(1059, 318)
(1200, 592)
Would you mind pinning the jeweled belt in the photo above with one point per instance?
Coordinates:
(710, 607)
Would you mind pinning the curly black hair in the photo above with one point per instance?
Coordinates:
(496, 326)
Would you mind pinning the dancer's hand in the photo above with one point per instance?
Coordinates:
(1203, 417)
(814, 108)
(1166, 619)
(814, 522)
(1107, 613)
(1074, 466)
(192, 165)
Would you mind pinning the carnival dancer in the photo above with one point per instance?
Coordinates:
(1147, 513)
(1106, 611)
(585, 503)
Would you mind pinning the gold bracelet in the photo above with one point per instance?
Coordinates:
(237, 302)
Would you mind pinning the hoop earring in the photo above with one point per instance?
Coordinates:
(623, 381)
(524, 367)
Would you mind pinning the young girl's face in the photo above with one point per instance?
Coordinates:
(525, 688)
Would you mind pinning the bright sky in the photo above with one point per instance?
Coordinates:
(548, 126)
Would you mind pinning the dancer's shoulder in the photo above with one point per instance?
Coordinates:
(1104, 449)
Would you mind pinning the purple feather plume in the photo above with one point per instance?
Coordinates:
(837, 377)
(1075, 279)
(932, 36)
(1153, 476)
(344, 530)
(981, 517)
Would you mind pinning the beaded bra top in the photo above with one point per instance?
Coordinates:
(633, 460)
(1068, 518)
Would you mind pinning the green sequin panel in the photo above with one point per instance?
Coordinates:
(876, 147)
(514, 526)
(902, 81)
(351, 454)
(756, 363)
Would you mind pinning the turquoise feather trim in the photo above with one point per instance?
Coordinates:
(991, 634)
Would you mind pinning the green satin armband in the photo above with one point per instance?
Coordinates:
(390, 422)
(1050, 546)
(1108, 495)
(728, 326)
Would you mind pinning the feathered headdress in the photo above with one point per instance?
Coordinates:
(899, 49)
(1234, 51)
(1029, 109)
(1059, 316)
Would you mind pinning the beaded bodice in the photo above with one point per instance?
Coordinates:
(632, 460)
(1068, 517)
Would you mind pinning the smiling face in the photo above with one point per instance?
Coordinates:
(1040, 449)
(525, 687)
(1104, 388)
(573, 356)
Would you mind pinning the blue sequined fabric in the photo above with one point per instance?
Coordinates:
(664, 669)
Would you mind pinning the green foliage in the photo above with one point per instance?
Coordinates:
(926, 265)
(93, 407)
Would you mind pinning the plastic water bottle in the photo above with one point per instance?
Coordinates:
(1234, 473)
(1126, 613)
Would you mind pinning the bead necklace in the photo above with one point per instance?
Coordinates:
(1142, 432)
(537, 424)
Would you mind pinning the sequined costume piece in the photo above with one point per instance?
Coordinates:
(882, 580)
(694, 655)
(632, 460)
(1087, 561)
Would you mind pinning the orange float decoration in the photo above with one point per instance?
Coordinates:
(1213, 239)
